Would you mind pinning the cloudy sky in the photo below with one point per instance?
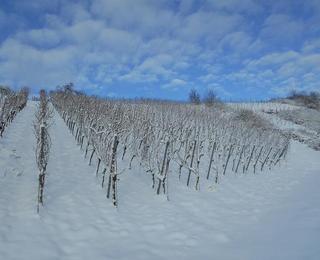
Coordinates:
(243, 49)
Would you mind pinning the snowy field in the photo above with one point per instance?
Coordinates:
(302, 123)
(263, 106)
(270, 215)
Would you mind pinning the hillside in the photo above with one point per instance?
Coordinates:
(269, 215)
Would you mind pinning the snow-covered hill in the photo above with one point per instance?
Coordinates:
(302, 123)
(270, 215)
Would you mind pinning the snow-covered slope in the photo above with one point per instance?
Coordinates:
(270, 215)
(303, 124)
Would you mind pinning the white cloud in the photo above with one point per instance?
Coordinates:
(108, 41)
(135, 76)
(208, 27)
(151, 69)
(25, 65)
(39, 38)
(245, 6)
(272, 59)
(236, 41)
(175, 84)
(280, 72)
(282, 30)
(147, 18)
(312, 46)
(95, 43)
(3, 18)
(74, 12)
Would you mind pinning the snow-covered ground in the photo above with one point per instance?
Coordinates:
(270, 215)
(303, 124)
(263, 106)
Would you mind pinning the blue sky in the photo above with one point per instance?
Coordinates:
(242, 49)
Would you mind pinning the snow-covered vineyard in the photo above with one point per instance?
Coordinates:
(183, 181)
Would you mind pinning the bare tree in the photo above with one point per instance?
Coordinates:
(210, 98)
(194, 97)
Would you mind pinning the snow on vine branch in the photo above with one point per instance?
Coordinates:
(194, 142)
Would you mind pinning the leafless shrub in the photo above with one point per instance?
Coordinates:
(310, 100)
(251, 119)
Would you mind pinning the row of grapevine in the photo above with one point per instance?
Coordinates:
(165, 138)
(11, 103)
(41, 125)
